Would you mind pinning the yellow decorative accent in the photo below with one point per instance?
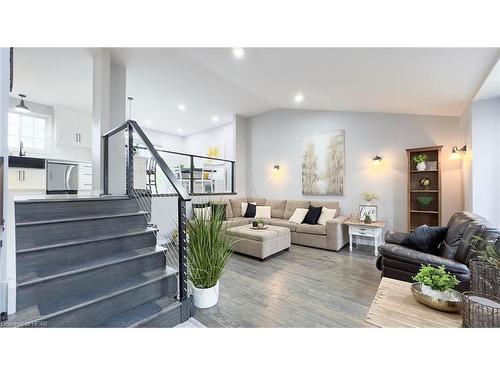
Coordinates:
(214, 152)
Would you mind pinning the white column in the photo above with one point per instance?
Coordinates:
(7, 256)
(240, 154)
(108, 111)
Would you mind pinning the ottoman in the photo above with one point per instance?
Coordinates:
(260, 243)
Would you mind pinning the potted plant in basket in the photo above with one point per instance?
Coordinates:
(208, 252)
(436, 282)
(485, 268)
(420, 160)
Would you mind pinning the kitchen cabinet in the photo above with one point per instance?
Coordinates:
(73, 128)
(84, 177)
(27, 179)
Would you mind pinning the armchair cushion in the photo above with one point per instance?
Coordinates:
(394, 237)
(407, 255)
(424, 238)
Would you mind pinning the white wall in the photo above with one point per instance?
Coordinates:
(221, 136)
(465, 123)
(486, 159)
(276, 138)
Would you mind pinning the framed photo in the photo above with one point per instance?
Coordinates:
(366, 209)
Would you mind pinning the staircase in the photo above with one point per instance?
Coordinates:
(92, 262)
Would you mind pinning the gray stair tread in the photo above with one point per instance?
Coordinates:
(48, 199)
(141, 313)
(100, 292)
(80, 218)
(40, 275)
(84, 241)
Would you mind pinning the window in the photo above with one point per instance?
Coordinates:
(28, 129)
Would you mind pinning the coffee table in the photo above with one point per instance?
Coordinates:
(260, 243)
(395, 307)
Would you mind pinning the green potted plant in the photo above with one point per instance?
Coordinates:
(209, 250)
(485, 266)
(420, 160)
(436, 282)
(367, 219)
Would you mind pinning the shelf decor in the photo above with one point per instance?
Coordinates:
(424, 186)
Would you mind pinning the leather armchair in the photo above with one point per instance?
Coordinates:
(402, 263)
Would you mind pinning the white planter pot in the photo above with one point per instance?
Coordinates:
(446, 295)
(421, 166)
(205, 298)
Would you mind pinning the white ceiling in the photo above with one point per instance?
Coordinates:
(54, 76)
(211, 82)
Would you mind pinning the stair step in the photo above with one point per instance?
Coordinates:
(113, 300)
(57, 292)
(145, 313)
(58, 208)
(58, 231)
(52, 259)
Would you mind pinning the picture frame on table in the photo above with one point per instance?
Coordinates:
(369, 209)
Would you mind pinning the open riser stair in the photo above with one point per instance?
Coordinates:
(88, 262)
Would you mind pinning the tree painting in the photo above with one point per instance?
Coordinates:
(323, 164)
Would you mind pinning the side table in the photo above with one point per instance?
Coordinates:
(373, 230)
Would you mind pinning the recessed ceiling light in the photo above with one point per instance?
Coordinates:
(179, 130)
(182, 107)
(239, 53)
(215, 118)
(299, 97)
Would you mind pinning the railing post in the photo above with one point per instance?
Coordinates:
(130, 161)
(232, 178)
(182, 220)
(191, 176)
(106, 166)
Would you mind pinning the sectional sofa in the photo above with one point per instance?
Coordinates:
(332, 236)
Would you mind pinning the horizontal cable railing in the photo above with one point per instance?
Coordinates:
(132, 166)
(199, 175)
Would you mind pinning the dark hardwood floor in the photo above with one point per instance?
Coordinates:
(303, 287)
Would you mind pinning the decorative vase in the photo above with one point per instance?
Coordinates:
(421, 166)
(205, 298)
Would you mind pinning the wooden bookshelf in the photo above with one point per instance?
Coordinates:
(419, 214)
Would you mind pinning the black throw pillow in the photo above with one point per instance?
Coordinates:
(425, 239)
(251, 210)
(220, 209)
(312, 215)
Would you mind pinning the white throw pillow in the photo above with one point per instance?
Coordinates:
(327, 214)
(244, 206)
(263, 212)
(204, 213)
(298, 215)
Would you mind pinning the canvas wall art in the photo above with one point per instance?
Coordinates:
(323, 163)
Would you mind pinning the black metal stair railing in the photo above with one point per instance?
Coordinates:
(171, 230)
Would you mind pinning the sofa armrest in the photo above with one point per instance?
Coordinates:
(407, 255)
(336, 233)
(394, 237)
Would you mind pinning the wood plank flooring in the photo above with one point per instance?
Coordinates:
(303, 287)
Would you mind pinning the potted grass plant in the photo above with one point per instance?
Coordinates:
(209, 250)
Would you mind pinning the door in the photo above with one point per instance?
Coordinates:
(15, 179)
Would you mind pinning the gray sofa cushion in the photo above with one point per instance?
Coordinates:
(327, 204)
(277, 208)
(311, 229)
(259, 201)
(291, 206)
(284, 223)
(236, 206)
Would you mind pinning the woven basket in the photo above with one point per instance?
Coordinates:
(480, 311)
(485, 279)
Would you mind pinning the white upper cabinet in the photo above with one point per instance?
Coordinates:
(73, 128)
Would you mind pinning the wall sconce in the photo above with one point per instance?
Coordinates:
(456, 153)
(377, 160)
(276, 167)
